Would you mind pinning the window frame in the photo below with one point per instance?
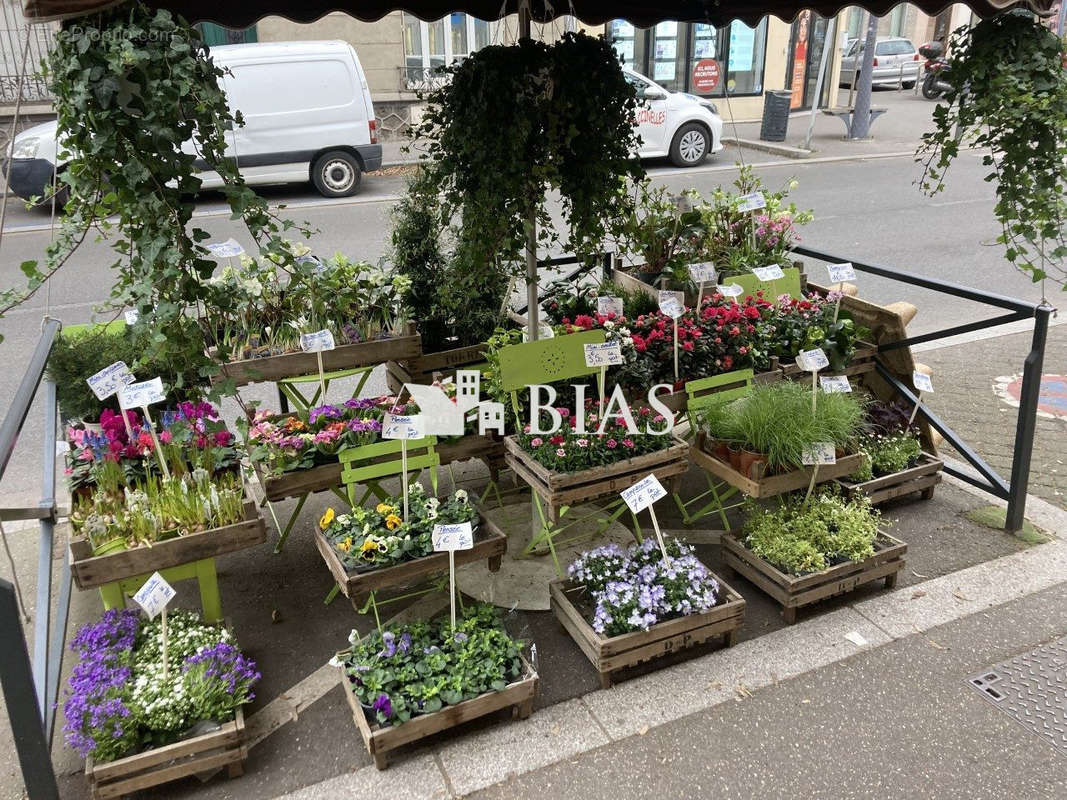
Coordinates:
(450, 56)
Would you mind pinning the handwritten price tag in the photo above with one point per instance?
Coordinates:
(670, 305)
(772, 272)
(832, 384)
(839, 273)
(643, 493)
(921, 381)
(400, 426)
(154, 595)
(139, 395)
(108, 380)
(812, 360)
(752, 202)
(730, 290)
(607, 354)
(702, 273)
(228, 249)
(608, 305)
(819, 453)
(452, 537)
(317, 342)
(131, 316)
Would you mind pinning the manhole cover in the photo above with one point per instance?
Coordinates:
(1051, 399)
(1032, 689)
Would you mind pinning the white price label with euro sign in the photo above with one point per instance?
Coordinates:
(702, 273)
(228, 249)
(606, 354)
(670, 305)
(818, 453)
(839, 273)
(139, 395)
(608, 305)
(752, 202)
(154, 595)
(812, 360)
(921, 381)
(402, 426)
(643, 493)
(730, 289)
(459, 536)
(108, 380)
(832, 384)
(317, 342)
(772, 272)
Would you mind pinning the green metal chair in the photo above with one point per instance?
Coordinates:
(289, 388)
(703, 392)
(114, 594)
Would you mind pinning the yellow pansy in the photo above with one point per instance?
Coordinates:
(326, 519)
(392, 522)
(383, 508)
(367, 548)
(346, 545)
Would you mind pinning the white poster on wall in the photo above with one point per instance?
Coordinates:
(742, 46)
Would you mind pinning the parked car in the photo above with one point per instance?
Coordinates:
(307, 111)
(896, 61)
(681, 126)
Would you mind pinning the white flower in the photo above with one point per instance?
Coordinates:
(353, 637)
(334, 662)
(461, 495)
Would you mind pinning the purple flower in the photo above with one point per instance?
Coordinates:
(389, 650)
(461, 637)
(324, 412)
(383, 706)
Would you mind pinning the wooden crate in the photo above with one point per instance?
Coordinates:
(861, 363)
(518, 696)
(424, 369)
(923, 477)
(225, 747)
(91, 570)
(794, 278)
(793, 592)
(559, 489)
(609, 654)
(771, 485)
(489, 543)
(345, 356)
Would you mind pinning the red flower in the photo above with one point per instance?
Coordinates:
(688, 346)
(557, 439)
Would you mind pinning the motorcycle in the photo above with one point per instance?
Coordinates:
(936, 70)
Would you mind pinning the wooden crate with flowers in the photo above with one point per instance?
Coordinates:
(407, 683)
(624, 608)
(143, 716)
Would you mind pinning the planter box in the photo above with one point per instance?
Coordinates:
(345, 356)
(794, 279)
(772, 484)
(90, 571)
(862, 362)
(489, 543)
(423, 368)
(793, 592)
(569, 488)
(225, 747)
(609, 654)
(517, 696)
(923, 477)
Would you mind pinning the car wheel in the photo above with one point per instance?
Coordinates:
(691, 145)
(336, 174)
(908, 84)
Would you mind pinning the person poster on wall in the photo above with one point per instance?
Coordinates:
(800, 59)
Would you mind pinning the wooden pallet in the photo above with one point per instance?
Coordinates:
(206, 753)
(923, 477)
(771, 485)
(560, 489)
(609, 654)
(91, 570)
(792, 592)
(424, 369)
(490, 543)
(518, 696)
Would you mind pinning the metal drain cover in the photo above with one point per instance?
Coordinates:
(1032, 688)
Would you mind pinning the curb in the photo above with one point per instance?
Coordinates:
(769, 147)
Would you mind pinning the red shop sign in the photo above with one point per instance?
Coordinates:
(706, 75)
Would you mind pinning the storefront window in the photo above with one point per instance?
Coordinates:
(745, 57)
(667, 57)
(624, 39)
(429, 45)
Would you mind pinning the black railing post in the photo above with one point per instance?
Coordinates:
(23, 711)
(1024, 429)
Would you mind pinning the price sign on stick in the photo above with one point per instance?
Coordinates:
(131, 315)
(315, 343)
(670, 305)
(642, 495)
(110, 379)
(700, 274)
(607, 354)
(730, 289)
(922, 383)
(228, 249)
(451, 538)
(839, 273)
(753, 201)
(832, 384)
(772, 272)
(814, 455)
(141, 395)
(608, 305)
(404, 428)
(153, 597)
(812, 361)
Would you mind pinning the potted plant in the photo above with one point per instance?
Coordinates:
(663, 234)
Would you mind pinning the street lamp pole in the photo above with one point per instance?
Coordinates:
(861, 115)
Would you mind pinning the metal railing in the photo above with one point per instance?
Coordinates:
(13, 39)
(31, 689)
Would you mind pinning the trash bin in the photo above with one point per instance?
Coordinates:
(775, 116)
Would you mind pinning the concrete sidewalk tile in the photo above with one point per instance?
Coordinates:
(551, 734)
(412, 779)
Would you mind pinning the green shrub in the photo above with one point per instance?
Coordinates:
(888, 453)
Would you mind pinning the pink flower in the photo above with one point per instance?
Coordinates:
(537, 441)
(611, 444)
(560, 452)
(628, 443)
(564, 412)
(583, 442)
(165, 437)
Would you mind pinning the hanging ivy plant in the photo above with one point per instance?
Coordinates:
(132, 85)
(1009, 99)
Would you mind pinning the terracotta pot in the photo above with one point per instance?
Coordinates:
(735, 457)
(720, 450)
(753, 465)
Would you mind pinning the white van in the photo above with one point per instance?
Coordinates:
(307, 111)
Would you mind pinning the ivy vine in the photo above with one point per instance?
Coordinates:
(1009, 99)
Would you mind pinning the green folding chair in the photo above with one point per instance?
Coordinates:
(289, 388)
(702, 393)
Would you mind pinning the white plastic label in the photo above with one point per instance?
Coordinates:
(317, 342)
(669, 304)
(452, 537)
(752, 202)
(819, 453)
(400, 426)
(643, 493)
(139, 395)
(608, 304)
(317, 267)
(702, 273)
(839, 273)
(154, 595)
(228, 249)
(607, 354)
(832, 384)
(730, 289)
(812, 360)
(131, 315)
(771, 272)
(108, 380)
(921, 381)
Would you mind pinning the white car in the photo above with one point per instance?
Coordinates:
(683, 127)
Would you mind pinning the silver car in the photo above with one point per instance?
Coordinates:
(896, 62)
